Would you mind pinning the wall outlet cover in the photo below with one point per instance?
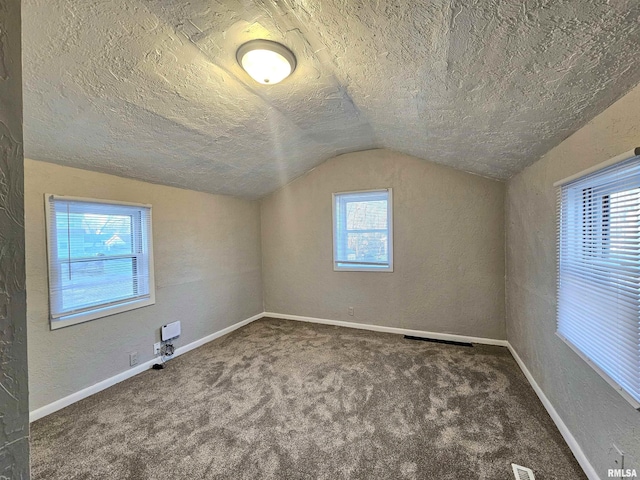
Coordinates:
(156, 348)
(350, 311)
(133, 359)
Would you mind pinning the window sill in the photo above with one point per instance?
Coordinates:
(634, 403)
(363, 269)
(74, 319)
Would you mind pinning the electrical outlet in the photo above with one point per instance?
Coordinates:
(156, 348)
(133, 358)
(350, 310)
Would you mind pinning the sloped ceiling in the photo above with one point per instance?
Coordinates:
(150, 89)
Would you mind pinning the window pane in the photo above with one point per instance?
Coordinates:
(623, 220)
(97, 282)
(367, 247)
(369, 215)
(362, 230)
(82, 235)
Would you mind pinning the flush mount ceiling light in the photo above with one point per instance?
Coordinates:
(265, 61)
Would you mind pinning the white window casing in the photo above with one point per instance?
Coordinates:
(363, 231)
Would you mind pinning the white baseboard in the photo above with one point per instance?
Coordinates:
(564, 430)
(93, 389)
(218, 334)
(400, 331)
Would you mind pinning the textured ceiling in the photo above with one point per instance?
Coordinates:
(150, 89)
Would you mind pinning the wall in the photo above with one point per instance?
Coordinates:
(207, 272)
(448, 248)
(595, 414)
(14, 394)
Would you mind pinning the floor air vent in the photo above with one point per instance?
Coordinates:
(437, 340)
(522, 473)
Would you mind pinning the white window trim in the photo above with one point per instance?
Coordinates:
(103, 311)
(388, 269)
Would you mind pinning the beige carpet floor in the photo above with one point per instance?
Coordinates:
(281, 399)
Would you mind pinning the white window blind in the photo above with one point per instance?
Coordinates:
(599, 272)
(362, 231)
(100, 258)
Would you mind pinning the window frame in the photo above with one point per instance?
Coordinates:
(334, 220)
(599, 236)
(57, 321)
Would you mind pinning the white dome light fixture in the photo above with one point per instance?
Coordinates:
(265, 61)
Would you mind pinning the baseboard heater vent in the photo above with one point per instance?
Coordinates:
(522, 473)
(437, 340)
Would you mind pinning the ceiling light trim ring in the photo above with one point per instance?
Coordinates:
(268, 45)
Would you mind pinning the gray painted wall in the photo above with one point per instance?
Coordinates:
(596, 415)
(448, 248)
(14, 394)
(207, 271)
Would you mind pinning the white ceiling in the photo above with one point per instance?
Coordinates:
(150, 89)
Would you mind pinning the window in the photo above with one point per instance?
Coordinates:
(599, 273)
(362, 231)
(100, 258)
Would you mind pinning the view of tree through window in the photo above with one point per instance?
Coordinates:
(97, 258)
(367, 231)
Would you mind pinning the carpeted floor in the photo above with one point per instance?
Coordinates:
(281, 399)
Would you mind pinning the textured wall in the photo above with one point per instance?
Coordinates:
(596, 415)
(14, 400)
(448, 247)
(207, 271)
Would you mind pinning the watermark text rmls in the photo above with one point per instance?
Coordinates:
(622, 473)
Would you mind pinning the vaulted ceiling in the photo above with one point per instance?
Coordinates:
(150, 89)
